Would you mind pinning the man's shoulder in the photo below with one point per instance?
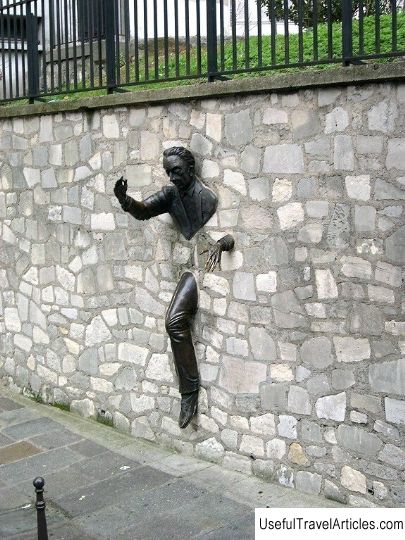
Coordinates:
(208, 196)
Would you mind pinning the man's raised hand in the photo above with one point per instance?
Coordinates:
(120, 189)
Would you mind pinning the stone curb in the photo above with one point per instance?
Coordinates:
(292, 81)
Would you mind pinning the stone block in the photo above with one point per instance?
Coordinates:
(396, 154)
(259, 189)
(243, 286)
(336, 120)
(311, 233)
(290, 215)
(200, 145)
(252, 446)
(317, 352)
(287, 426)
(395, 246)
(274, 397)
(241, 377)
(235, 180)
(395, 411)
(263, 425)
(350, 349)
(366, 320)
(211, 450)
(138, 175)
(356, 267)
(358, 440)
(305, 124)
(358, 187)
(262, 345)
(283, 159)
(250, 159)
(325, 284)
(388, 377)
(353, 480)
(274, 116)
(97, 332)
(343, 155)
(238, 128)
(332, 407)
(364, 218)
(382, 116)
(308, 482)
(342, 379)
(298, 400)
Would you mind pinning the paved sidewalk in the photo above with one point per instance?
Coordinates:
(102, 484)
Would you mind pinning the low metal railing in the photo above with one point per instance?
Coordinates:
(56, 47)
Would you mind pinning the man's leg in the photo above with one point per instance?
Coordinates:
(178, 323)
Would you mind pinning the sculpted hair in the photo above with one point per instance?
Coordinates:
(182, 152)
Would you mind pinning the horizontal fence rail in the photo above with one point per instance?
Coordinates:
(56, 47)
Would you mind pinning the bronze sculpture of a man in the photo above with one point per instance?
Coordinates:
(191, 204)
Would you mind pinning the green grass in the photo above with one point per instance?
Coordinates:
(102, 418)
(325, 49)
(61, 406)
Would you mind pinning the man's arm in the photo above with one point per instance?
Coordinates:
(152, 206)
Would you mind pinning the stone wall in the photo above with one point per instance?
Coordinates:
(299, 336)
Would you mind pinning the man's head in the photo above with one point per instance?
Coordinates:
(179, 165)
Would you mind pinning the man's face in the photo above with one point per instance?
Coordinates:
(179, 172)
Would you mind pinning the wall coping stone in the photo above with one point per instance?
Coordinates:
(351, 75)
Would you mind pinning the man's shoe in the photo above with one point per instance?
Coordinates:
(188, 408)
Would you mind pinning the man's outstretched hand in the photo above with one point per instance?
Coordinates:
(120, 189)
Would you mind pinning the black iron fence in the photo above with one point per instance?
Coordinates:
(56, 47)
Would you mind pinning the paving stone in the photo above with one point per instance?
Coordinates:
(26, 430)
(55, 439)
(121, 487)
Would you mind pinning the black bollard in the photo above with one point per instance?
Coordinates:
(40, 506)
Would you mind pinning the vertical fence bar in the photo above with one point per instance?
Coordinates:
(259, 35)
(330, 29)
(59, 47)
(300, 31)
(127, 39)
(315, 29)
(3, 59)
(273, 31)
(361, 27)
(22, 41)
(176, 37)
(155, 39)
(92, 34)
(145, 39)
(234, 44)
(222, 34)
(212, 40)
(51, 42)
(110, 45)
(377, 26)
(394, 28)
(16, 66)
(44, 50)
(74, 39)
(286, 34)
(166, 38)
(198, 23)
(115, 8)
(66, 31)
(187, 22)
(347, 32)
(136, 40)
(247, 36)
(33, 55)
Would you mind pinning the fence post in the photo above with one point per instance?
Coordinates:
(212, 60)
(40, 506)
(347, 31)
(110, 55)
(32, 54)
